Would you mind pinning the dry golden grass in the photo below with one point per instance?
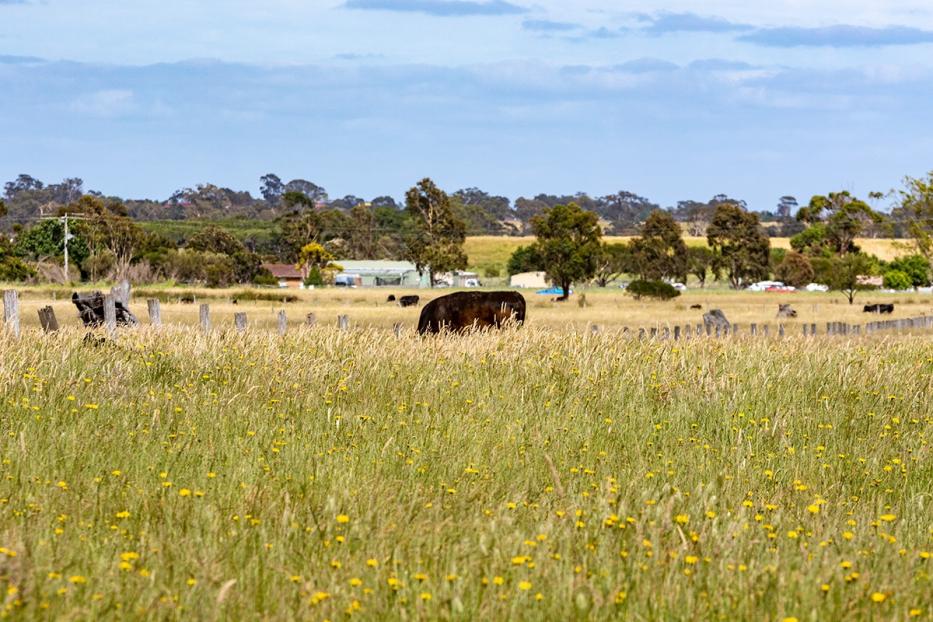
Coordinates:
(484, 251)
(605, 308)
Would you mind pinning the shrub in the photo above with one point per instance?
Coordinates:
(658, 290)
(897, 279)
(795, 269)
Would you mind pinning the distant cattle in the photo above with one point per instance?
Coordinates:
(465, 310)
(409, 301)
(391, 298)
(878, 309)
(785, 310)
(696, 306)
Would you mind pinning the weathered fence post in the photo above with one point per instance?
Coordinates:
(205, 316)
(343, 322)
(677, 333)
(754, 330)
(155, 312)
(806, 332)
(699, 330)
(641, 333)
(718, 331)
(813, 330)
(310, 320)
(781, 330)
(11, 311)
(110, 313)
(239, 320)
(397, 329)
(48, 320)
(121, 292)
(283, 323)
(594, 329)
(665, 333)
(654, 333)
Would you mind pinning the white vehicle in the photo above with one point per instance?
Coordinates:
(817, 287)
(679, 287)
(761, 286)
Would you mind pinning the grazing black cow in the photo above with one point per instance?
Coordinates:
(409, 301)
(391, 298)
(888, 309)
(696, 306)
(465, 310)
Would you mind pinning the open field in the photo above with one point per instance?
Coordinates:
(531, 474)
(607, 308)
(484, 251)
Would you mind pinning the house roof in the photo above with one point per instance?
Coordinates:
(283, 270)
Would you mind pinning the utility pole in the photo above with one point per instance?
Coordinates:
(68, 237)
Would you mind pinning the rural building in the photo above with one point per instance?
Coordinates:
(286, 274)
(381, 274)
(458, 278)
(532, 280)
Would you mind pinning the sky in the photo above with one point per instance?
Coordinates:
(669, 99)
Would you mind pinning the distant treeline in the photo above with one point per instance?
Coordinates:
(28, 198)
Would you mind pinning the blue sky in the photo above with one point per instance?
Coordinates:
(672, 100)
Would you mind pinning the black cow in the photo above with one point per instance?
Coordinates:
(465, 310)
(888, 309)
(409, 301)
(391, 298)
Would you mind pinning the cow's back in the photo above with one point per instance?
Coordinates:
(465, 310)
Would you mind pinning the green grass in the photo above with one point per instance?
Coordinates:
(535, 474)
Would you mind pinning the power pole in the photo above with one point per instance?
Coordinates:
(67, 237)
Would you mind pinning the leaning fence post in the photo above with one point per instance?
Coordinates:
(239, 320)
(205, 316)
(155, 312)
(283, 323)
(11, 311)
(343, 322)
(110, 313)
(48, 320)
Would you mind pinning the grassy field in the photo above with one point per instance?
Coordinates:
(606, 308)
(538, 474)
(493, 251)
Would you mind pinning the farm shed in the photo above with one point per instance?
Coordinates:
(382, 274)
(532, 280)
(286, 274)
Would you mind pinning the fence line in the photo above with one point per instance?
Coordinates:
(50, 324)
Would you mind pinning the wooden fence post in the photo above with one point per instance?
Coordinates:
(11, 311)
(343, 322)
(48, 320)
(310, 320)
(781, 330)
(205, 316)
(766, 329)
(283, 323)
(594, 329)
(239, 320)
(121, 292)
(641, 333)
(398, 329)
(813, 330)
(754, 330)
(677, 333)
(110, 314)
(155, 312)
(806, 332)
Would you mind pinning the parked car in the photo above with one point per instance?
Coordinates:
(762, 286)
(781, 289)
(817, 287)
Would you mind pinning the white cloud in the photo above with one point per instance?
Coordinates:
(105, 103)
